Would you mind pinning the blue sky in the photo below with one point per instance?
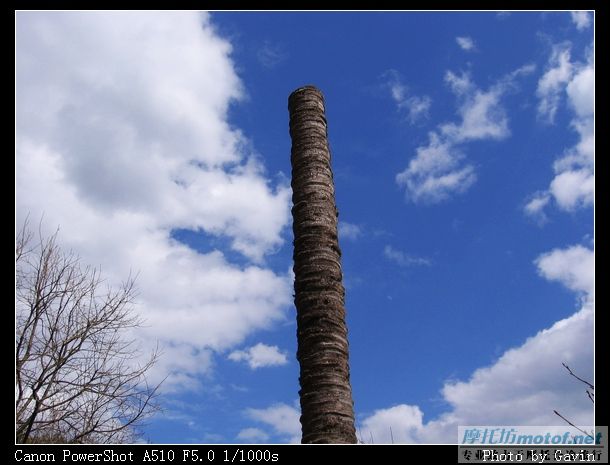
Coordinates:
(462, 151)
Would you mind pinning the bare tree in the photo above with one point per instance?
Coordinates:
(79, 377)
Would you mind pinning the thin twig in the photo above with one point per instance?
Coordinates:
(571, 424)
(578, 378)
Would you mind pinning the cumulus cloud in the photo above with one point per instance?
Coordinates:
(349, 231)
(260, 355)
(403, 259)
(415, 107)
(282, 418)
(466, 43)
(582, 19)
(581, 91)
(522, 388)
(525, 384)
(573, 267)
(438, 169)
(398, 424)
(122, 137)
(573, 186)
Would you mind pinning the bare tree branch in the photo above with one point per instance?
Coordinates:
(572, 424)
(577, 377)
(589, 394)
(79, 377)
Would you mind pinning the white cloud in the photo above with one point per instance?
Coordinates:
(438, 170)
(573, 267)
(212, 438)
(553, 82)
(582, 19)
(466, 43)
(482, 118)
(260, 355)
(403, 259)
(461, 84)
(581, 92)
(252, 435)
(435, 172)
(415, 107)
(574, 183)
(573, 188)
(397, 89)
(535, 207)
(349, 231)
(183, 366)
(399, 424)
(435, 158)
(523, 387)
(283, 418)
(525, 384)
(438, 188)
(122, 137)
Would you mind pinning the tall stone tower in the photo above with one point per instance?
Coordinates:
(327, 408)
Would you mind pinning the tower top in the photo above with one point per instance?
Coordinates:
(305, 90)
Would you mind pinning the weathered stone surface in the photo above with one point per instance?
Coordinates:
(327, 411)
